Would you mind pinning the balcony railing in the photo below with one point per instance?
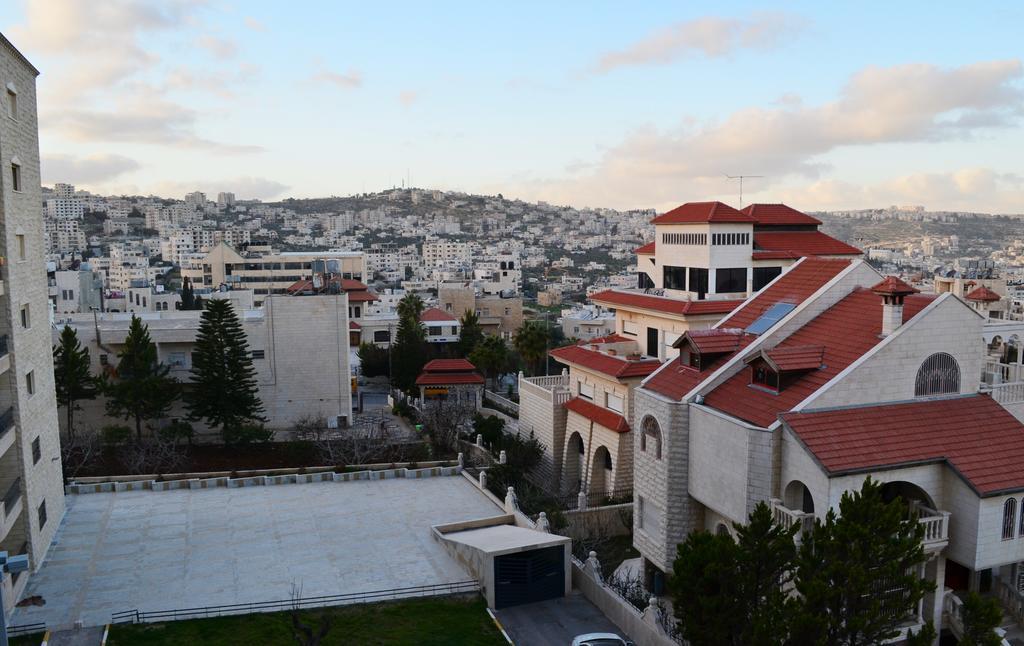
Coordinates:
(997, 372)
(787, 518)
(11, 497)
(935, 523)
(549, 382)
(1011, 393)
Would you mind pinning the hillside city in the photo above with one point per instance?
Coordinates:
(418, 416)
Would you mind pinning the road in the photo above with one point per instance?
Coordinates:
(554, 622)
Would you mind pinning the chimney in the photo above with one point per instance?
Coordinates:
(893, 291)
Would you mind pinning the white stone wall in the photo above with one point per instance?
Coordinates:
(719, 462)
(25, 284)
(541, 415)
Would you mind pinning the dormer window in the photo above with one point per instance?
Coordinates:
(690, 359)
(762, 375)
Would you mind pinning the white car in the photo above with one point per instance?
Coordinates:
(600, 639)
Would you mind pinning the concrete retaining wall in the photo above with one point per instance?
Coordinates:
(641, 626)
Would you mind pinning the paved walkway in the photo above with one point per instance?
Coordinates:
(82, 637)
(163, 550)
(555, 622)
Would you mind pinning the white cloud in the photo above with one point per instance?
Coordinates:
(220, 47)
(85, 170)
(254, 24)
(348, 80)
(904, 103)
(408, 97)
(710, 36)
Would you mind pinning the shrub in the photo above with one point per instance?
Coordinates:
(115, 434)
(247, 434)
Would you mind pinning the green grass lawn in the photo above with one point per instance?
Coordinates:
(437, 621)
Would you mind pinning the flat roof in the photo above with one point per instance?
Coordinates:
(505, 538)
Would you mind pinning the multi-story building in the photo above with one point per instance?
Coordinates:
(31, 482)
(64, 235)
(64, 191)
(447, 254)
(267, 272)
(499, 315)
(225, 200)
(61, 207)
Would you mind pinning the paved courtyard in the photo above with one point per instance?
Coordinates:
(161, 550)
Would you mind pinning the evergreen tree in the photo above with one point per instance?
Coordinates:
(705, 596)
(73, 380)
(490, 356)
(373, 361)
(981, 616)
(142, 389)
(188, 295)
(224, 391)
(409, 350)
(470, 333)
(765, 557)
(857, 572)
(531, 342)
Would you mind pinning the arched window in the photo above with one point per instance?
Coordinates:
(1009, 518)
(938, 375)
(722, 530)
(651, 434)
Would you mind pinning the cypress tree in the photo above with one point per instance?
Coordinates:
(188, 295)
(73, 380)
(409, 350)
(142, 389)
(470, 333)
(224, 391)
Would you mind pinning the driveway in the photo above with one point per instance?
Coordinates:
(554, 622)
(187, 548)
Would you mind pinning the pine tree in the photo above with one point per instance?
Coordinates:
(223, 388)
(857, 572)
(470, 333)
(188, 295)
(490, 356)
(764, 569)
(142, 389)
(704, 591)
(982, 616)
(531, 342)
(73, 380)
(409, 351)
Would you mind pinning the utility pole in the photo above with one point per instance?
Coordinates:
(741, 178)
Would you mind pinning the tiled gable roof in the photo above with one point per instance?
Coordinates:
(434, 315)
(647, 249)
(614, 297)
(778, 215)
(796, 244)
(697, 212)
(616, 366)
(606, 418)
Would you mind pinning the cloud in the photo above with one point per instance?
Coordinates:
(903, 103)
(710, 36)
(219, 47)
(244, 188)
(254, 24)
(349, 80)
(85, 170)
(408, 97)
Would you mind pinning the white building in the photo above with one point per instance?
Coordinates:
(61, 207)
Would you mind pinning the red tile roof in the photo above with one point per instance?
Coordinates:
(352, 325)
(848, 329)
(796, 358)
(696, 212)
(778, 215)
(449, 379)
(795, 286)
(713, 341)
(675, 306)
(976, 436)
(448, 365)
(647, 249)
(798, 244)
(618, 367)
(893, 286)
(434, 315)
(611, 338)
(606, 418)
(983, 294)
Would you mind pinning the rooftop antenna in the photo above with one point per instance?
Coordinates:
(741, 178)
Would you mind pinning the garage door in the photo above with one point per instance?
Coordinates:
(526, 577)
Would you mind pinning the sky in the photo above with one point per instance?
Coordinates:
(602, 104)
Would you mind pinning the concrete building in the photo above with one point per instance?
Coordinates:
(499, 315)
(587, 322)
(58, 207)
(31, 482)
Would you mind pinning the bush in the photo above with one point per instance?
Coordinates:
(247, 434)
(115, 434)
(177, 431)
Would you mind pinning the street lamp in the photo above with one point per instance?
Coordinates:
(13, 565)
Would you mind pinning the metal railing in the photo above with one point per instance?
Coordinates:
(11, 497)
(26, 629)
(136, 616)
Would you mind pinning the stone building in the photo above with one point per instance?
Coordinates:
(499, 315)
(31, 483)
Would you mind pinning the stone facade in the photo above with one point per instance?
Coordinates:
(30, 443)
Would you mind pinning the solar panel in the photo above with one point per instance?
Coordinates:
(772, 316)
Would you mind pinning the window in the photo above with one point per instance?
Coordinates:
(938, 375)
(259, 354)
(674, 277)
(30, 382)
(26, 317)
(21, 245)
(1009, 518)
(613, 402)
(650, 437)
(41, 513)
(729, 281)
(607, 460)
(765, 275)
(71, 295)
(699, 281)
(447, 307)
(16, 176)
(508, 311)
(652, 341)
(730, 238)
(762, 375)
(630, 328)
(176, 360)
(104, 361)
(37, 452)
(381, 336)
(1021, 531)
(12, 103)
(643, 281)
(685, 238)
(586, 391)
(640, 512)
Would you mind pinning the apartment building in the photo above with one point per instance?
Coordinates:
(499, 315)
(61, 207)
(64, 235)
(805, 390)
(447, 254)
(267, 272)
(31, 482)
(299, 345)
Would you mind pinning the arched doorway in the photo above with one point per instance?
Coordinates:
(601, 470)
(908, 492)
(797, 497)
(575, 459)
